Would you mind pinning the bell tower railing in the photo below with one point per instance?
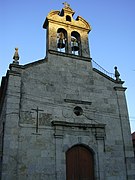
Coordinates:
(98, 67)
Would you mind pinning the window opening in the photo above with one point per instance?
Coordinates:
(68, 18)
(78, 111)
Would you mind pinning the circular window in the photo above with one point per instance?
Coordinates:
(78, 111)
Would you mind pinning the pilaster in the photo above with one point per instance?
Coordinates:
(10, 150)
(126, 132)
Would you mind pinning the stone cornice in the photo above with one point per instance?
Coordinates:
(79, 125)
(17, 66)
(56, 18)
(108, 77)
(97, 129)
(117, 88)
(82, 58)
(35, 63)
(77, 101)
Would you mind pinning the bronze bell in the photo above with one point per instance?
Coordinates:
(61, 41)
(75, 46)
(60, 44)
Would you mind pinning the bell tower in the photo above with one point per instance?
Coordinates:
(66, 34)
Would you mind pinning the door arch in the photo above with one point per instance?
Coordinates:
(79, 163)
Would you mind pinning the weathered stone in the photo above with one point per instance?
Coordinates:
(36, 142)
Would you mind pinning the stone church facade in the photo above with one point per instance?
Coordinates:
(60, 118)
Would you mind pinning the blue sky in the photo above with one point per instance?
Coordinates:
(112, 39)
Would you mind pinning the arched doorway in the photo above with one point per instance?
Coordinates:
(79, 163)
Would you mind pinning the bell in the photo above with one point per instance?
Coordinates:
(75, 46)
(60, 44)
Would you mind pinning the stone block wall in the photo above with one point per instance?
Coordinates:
(56, 86)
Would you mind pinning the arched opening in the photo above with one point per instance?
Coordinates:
(79, 163)
(62, 40)
(68, 18)
(75, 43)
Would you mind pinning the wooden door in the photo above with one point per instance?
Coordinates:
(79, 164)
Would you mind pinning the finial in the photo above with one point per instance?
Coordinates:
(117, 74)
(16, 56)
(66, 5)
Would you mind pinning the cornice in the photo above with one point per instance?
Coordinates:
(117, 88)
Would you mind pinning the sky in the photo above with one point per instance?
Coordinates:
(112, 38)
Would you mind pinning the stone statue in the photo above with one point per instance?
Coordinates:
(117, 74)
(16, 56)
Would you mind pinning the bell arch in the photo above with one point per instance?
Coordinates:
(79, 163)
(68, 18)
(75, 43)
(62, 40)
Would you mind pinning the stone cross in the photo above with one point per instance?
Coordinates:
(66, 5)
(37, 119)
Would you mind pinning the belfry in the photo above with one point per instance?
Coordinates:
(70, 35)
(61, 118)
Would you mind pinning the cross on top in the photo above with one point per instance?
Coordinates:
(66, 5)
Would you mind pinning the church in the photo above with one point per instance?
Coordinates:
(61, 118)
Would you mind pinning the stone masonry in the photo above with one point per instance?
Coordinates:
(78, 105)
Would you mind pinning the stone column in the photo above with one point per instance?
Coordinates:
(69, 42)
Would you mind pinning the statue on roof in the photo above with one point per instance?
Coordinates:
(66, 5)
(117, 74)
(16, 56)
